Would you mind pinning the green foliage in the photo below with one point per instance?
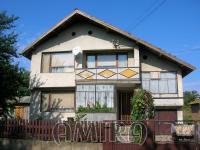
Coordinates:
(23, 89)
(80, 116)
(94, 109)
(11, 77)
(142, 106)
(187, 114)
(190, 96)
(142, 109)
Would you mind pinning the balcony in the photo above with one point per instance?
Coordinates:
(108, 74)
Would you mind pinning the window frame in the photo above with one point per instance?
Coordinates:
(159, 79)
(51, 53)
(95, 94)
(49, 92)
(116, 61)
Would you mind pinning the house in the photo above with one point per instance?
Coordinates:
(83, 61)
(21, 110)
(195, 109)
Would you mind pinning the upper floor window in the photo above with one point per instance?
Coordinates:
(107, 60)
(57, 62)
(159, 82)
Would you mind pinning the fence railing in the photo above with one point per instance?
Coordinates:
(52, 130)
(103, 132)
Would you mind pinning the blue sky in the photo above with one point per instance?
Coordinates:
(173, 25)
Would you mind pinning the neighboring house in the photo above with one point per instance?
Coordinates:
(195, 109)
(22, 108)
(83, 61)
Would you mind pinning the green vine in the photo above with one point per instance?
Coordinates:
(142, 109)
(142, 106)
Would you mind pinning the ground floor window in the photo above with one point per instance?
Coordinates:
(90, 95)
(57, 101)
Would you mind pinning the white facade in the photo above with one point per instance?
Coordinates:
(100, 42)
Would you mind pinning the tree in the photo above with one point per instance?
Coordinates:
(11, 77)
(190, 96)
(23, 89)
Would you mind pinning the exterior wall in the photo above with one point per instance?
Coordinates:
(35, 112)
(98, 41)
(64, 41)
(100, 116)
(156, 63)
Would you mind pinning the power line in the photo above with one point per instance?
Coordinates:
(142, 19)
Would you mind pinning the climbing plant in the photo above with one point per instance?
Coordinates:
(142, 109)
(142, 105)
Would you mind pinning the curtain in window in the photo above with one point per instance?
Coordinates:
(166, 83)
(91, 94)
(106, 60)
(85, 95)
(172, 85)
(154, 86)
(62, 62)
(105, 95)
(57, 101)
(122, 60)
(45, 63)
(163, 86)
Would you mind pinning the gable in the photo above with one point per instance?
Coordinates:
(78, 15)
(99, 39)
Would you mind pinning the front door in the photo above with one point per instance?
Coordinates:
(124, 104)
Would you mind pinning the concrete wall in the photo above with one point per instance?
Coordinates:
(157, 63)
(100, 116)
(17, 144)
(64, 41)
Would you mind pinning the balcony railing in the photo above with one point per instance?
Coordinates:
(127, 73)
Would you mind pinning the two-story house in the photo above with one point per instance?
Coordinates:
(82, 61)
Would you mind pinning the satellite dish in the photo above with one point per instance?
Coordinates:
(76, 50)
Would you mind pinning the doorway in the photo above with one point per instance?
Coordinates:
(124, 104)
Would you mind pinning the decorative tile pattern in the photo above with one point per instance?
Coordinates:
(128, 73)
(86, 74)
(107, 73)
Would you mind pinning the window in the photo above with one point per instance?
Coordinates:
(122, 60)
(91, 61)
(106, 61)
(159, 82)
(89, 95)
(57, 101)
(57, 62)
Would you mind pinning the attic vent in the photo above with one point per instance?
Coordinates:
(73, 33)
(89, 32)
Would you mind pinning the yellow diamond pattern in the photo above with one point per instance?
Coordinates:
(128, 73)
(86, 74)
(107, 73)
